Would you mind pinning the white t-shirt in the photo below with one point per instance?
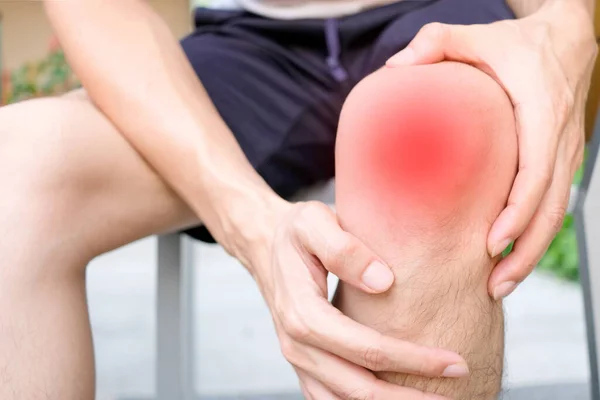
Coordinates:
(299, 9)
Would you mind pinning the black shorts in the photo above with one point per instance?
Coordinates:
(280, 85)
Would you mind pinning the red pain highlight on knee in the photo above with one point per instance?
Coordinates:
(419, 152)
(413, 136)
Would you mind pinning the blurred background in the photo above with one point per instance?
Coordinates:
(237, 353)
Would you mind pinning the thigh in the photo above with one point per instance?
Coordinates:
(77, 181)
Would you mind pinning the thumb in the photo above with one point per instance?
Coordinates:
(344, 255)
(437, 42)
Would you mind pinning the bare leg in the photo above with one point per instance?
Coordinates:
(73, 188)
(425, 160)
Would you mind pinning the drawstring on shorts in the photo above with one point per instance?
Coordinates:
(332, 37)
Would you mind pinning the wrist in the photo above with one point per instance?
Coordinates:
(250, 228)
(233, 201)
(244, 217)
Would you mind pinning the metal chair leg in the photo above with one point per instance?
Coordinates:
(174, 318)
(587, 218)
(188, 323)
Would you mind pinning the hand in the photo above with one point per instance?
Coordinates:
(544, 62)
(332, 354)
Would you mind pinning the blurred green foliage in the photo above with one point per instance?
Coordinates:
(48, 76)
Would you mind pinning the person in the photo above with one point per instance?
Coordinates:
(221, 129)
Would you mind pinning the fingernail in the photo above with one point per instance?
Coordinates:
(504, 289)
(405, 57)
(378, 277)
(500, 247)
(459, 370)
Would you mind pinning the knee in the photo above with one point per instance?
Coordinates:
(433, 138)
(38, 148)
(41, 169)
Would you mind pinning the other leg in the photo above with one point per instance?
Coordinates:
(73, 188)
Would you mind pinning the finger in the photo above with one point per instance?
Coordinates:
(540, 122)
(536, 169)
(343, 254)
(301, 378)
(315, 389)
(352, 382)
(532, 244)
(305, 392)
(336, 333)
(437, 42)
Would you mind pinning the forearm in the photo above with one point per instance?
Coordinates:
(135, 71)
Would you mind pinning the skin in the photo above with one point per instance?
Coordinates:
(552, 51)
(431, 224)
(412, 145)
(147, 130)
(136, 154)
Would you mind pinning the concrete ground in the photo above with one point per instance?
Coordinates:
(237, 351)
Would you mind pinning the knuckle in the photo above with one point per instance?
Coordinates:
(530, 266)
(339, 251)
(429, 365)
(288, 349)
(375, 359)
(343, 247)
(547, 176)
(556, 216)
(539, 177)
(307, 212)
(295, 326)
(544, 174)
(563, 104)
(434, 30)
(360, 394)
(526, 264)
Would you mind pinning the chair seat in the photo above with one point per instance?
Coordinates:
(323, 191)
